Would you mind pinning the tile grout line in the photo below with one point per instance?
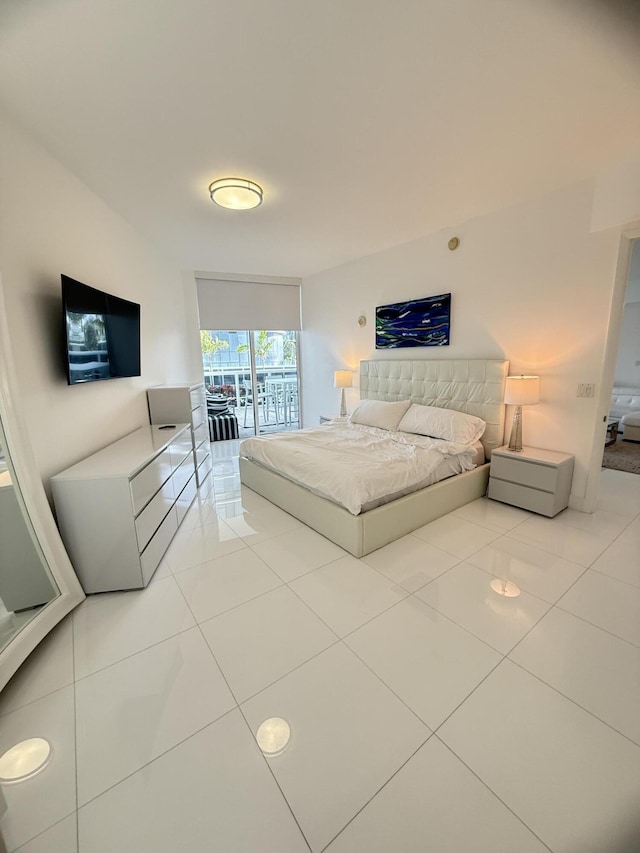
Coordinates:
(491, 791)
(133, 654)
(240, 710)
(505, 656)
(273, 776)
(44, 831)
(574, 702)
(375, 794)
(611, 578)
(599, 627)
(157, 757)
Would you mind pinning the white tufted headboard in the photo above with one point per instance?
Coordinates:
(474, 386)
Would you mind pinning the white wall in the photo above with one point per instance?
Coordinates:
(531, 284)
(51, 223)
(616, 200)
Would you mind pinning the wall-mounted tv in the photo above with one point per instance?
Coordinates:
(102, 334)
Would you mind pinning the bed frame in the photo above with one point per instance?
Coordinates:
(474, 386)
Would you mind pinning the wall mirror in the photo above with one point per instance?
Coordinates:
(38, 586)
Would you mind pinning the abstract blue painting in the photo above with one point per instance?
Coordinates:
(417, 323)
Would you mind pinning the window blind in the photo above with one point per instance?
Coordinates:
(248, 305)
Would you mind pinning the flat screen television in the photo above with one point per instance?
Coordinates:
(102, 334)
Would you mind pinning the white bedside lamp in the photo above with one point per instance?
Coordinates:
(520, 391)
(343, 379)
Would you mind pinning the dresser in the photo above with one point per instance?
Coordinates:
(184, 404)
(534, 479)
(119, 509)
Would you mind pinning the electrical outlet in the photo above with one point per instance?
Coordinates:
(586, 389)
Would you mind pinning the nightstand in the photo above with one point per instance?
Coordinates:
(535, 479)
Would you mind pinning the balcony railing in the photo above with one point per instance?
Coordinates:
(235, 384)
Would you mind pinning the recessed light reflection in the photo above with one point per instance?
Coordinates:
(506, 588)
(25, 759)
(273, 735)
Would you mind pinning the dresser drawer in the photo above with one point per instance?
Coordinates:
(183, 473)
(198, 417)
(147, 482)
(154, 551)
(180, 448)
(201, 434)
(204, 468)
(202, 452)
(524, 472)
(151, 516)
(197, 397)
(185, 499)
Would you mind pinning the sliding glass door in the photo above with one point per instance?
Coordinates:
(256, 374)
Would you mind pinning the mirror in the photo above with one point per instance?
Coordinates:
(26, 584)
(38, 586)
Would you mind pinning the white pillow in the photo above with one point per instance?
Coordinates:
(378, 413)
(442, 423)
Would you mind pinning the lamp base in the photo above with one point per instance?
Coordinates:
(343, 405)
(515, 440)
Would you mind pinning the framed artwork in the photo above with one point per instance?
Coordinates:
(416, 323)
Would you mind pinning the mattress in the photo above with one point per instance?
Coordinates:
(359, 467)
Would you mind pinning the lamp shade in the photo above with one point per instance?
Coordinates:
(342, 379)
(522, 390)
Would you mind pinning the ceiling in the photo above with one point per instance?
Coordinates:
(367, 122)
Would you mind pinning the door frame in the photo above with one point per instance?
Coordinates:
(628, 236)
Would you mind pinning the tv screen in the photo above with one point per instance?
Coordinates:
(102, 334)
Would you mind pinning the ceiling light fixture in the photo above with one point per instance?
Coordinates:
(236, 193)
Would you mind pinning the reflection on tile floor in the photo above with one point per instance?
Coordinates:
(426, 710)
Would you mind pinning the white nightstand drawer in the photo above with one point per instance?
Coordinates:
(510, 493)
(524, 472)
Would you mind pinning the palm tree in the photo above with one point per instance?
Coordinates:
(263, 346)
(211, 346)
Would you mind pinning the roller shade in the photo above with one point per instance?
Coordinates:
(248, 305)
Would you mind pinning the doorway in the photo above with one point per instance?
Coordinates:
(622, 447)
(255, 373)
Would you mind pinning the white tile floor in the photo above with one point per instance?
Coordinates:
(426, 711)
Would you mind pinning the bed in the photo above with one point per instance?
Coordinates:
(472, 386)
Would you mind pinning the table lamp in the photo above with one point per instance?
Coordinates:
(520, 391)
(343, 379)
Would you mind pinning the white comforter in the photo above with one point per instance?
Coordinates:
(357, 466)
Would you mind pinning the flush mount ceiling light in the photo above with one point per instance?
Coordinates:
(236, 193)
